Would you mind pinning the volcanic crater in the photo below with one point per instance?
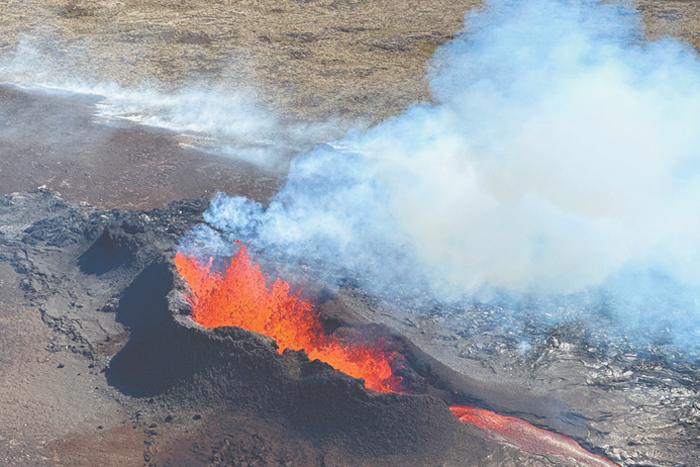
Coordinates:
(119, 318)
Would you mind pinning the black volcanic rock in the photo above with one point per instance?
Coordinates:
(170, 357)
(116, 314)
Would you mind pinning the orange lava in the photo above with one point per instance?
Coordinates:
(526, 436)
(241, 297)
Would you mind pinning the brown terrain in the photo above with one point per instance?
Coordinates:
(63, 401)
(306, 60)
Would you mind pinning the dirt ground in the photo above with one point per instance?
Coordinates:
(311, 58)
(51, 140)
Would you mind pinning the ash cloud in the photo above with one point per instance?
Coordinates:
(558, 159)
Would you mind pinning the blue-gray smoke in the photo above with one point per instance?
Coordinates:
(559, 158)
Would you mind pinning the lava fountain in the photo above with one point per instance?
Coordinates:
(240, 296)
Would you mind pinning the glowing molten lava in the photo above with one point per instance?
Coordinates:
(526, 436)
(241, 297)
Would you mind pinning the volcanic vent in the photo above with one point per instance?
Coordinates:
(228, 395)
(238, 295)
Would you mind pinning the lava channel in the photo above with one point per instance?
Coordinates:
(240, 296)
(526, 436)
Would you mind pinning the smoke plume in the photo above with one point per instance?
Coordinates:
(557, 158)
(229, 121)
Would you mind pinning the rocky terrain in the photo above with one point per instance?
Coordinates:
(98, 366)
(102, 365)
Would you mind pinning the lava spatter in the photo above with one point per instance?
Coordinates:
(240, 296)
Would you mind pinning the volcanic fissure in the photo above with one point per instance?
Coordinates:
(240, 296)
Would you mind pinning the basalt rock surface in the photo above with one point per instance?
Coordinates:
(101, 360)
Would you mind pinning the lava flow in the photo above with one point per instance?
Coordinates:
(524, 435)
(241, 297)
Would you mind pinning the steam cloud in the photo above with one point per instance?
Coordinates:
(559, 157)
(557, 161)
(224, 121)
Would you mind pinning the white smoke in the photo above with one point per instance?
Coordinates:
(229, 122)
(560, 154)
